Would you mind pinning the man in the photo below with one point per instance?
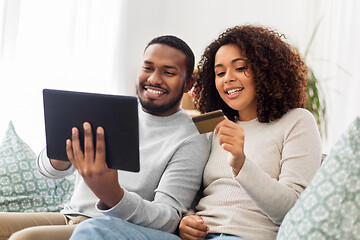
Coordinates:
(172, 156)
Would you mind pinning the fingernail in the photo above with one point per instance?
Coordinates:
(100, 130)
(73, 131)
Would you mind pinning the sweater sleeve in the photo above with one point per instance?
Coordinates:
(176, 190)
(44, 166)
(301, 156)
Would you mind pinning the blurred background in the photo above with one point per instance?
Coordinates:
(97, 46)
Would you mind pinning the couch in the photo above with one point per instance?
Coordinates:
(329, 208)
(22, 187)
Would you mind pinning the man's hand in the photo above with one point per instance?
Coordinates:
(192, 227)
(231, 139)
(92, 166)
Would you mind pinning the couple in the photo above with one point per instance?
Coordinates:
(262, 156)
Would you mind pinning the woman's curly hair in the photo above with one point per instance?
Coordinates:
(280, 74)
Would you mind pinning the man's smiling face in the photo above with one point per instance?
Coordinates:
(162, 79)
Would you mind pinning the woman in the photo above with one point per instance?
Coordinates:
(267, 150)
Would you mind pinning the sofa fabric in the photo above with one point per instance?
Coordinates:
(329, 208)
(22, 187)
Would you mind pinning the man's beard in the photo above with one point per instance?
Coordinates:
(158, 109)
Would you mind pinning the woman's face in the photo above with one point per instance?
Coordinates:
(234, 81)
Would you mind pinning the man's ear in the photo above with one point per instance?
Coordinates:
(189, 84)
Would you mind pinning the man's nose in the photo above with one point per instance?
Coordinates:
(155, 78)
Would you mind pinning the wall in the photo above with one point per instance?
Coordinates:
(199, 22)
(97, 46)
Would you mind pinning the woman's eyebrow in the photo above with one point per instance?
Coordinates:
(238, 59)
(234, 60)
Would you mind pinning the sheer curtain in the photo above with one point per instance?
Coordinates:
(67, 44)
(334, 57)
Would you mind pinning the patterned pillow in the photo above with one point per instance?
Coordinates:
(329, 208)
(22, 187)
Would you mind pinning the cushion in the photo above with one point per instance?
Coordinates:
(329, 208)
(22, 187)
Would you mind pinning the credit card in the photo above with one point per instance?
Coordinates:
(207, 122)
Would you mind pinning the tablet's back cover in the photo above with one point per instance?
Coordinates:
(118, 115)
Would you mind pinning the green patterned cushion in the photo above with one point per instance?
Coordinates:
(22, 187)
(329, 208)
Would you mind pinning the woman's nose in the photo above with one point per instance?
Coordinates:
(229, 77)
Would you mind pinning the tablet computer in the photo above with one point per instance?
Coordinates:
(118, 115)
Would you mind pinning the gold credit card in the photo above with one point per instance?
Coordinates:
(207, 122)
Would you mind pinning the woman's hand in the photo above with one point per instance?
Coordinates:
(92, 166)
(192, 227)
(231, 139)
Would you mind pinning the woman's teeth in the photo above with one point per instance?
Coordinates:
(232, 91)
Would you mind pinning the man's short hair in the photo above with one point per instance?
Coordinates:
(179, 44)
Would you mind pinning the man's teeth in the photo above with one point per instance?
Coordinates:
(154, 91)
(232, 91)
